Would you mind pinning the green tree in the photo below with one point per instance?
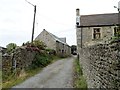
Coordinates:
(11, 47)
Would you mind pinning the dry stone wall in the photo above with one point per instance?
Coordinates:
(22, 58)
(7, 64)
(101, 65)
(19, 60)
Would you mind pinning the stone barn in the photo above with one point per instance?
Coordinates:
(53, 42)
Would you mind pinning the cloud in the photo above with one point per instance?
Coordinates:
(57, 16)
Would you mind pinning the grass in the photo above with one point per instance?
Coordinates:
(0, 74)
(25, 75)
(0, 79)
(55, 58)
(14, 81)
(79, 80)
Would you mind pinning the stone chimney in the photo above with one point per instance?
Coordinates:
(77, 12)
(119, 4)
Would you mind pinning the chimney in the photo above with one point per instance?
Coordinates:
(119, 5)
(77, 12)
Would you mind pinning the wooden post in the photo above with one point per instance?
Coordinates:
(33, 24)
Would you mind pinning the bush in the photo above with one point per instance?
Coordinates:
(36, 43)
(39, 44)
(40, 61)
(26, 44)
(11, 47)
(115, 39)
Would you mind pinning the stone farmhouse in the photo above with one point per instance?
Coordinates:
(98, 58)
(53, 42)
(96, 28)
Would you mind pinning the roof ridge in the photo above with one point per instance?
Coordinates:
(99, 14)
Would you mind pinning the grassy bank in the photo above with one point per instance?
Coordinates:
(79, 80)
(14, 80)
(0, 79)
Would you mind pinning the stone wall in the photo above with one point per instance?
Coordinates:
(7, 64)
(19, 60)
(23, 57)
(101, 65)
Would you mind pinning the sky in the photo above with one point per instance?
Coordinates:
(56, 16)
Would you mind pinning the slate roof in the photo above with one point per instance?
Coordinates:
(99, 19)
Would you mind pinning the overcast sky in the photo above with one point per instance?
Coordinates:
(56, 16)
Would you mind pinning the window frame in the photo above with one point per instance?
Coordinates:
(100, 33)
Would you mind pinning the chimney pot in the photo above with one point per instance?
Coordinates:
(77, 12)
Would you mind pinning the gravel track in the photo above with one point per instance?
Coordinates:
(56, 75)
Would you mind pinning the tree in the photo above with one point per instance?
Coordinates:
(11, 47)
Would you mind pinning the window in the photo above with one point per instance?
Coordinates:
(116, 31)
(96, 33)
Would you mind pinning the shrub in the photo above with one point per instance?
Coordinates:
(115, 39)
(36, 43)
(40, 61)
(26, 44)
(11, 47)
(39, 44)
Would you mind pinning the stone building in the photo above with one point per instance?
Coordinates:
(55, 43)
(98, 58)
(95, 28)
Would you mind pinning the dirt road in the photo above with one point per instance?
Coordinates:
(56, 75)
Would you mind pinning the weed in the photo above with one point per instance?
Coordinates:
(79, 80)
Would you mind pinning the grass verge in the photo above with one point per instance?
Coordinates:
(79, 80)
(17, 80)
(0, 79)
